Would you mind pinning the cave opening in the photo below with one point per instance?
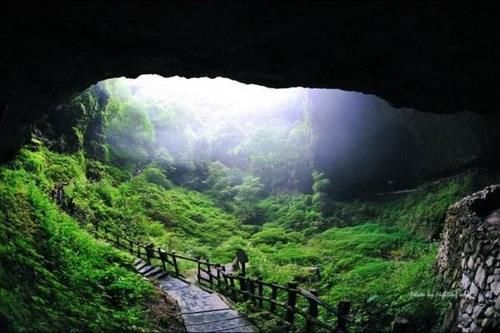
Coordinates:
(281, 136)
(311, 184)
(334, 191)
(340, 194)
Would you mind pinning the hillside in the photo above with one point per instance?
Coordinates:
(186, 178)
(379, 247)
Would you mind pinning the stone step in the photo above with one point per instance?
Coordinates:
(201, 310)
(204, 317)
(141, 265)
(154, 271)
(193, 301)
(158, 276)
(170, 283)
(216, 324)
(145, 269)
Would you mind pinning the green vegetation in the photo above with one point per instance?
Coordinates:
(144, 174)
(369, 245)
(53, 275)
(196, 141)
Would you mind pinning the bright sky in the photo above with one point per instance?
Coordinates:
(220, 95)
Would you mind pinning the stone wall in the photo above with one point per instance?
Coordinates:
(469, 261)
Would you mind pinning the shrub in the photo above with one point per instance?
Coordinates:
(275, 235)
(156, 176)
(59, 278)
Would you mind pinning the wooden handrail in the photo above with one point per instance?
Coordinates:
(315, 298)
(248, 288)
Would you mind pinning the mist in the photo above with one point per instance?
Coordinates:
(277, 135)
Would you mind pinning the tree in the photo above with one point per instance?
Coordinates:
(249, 190)
(247, 195)
(130, 135)
(320, 200)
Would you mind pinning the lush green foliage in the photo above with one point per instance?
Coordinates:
(139, 128)
(53, 275)
(422, 212)
(159, 174)
(381, 258)
(367, 252)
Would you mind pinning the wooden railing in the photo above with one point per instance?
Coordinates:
(300, 309)
(287, 302)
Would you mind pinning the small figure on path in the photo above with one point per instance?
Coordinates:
(239, 261)
(57, 193)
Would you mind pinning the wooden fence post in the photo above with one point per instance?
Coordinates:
(260, 289)
(174, 261)
(313, 312)
(233, 288)
(274, 296)
(243, 286)
(199, 269)
(163, 258)
(210, 281)
(343, 309)
(224, 276)
(251, 290)
(291, 302)
(149, 252)
(219, 281)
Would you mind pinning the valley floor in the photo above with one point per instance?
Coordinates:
(53, 275)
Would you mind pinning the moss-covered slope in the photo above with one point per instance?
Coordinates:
(53, 275)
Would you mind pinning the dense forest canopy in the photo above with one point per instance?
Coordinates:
(184, 123)
(280, 136)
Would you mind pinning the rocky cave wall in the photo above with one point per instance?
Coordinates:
(449, 143)
(469, 262)
(431, 57)
(365, 146)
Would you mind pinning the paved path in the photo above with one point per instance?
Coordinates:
(202, 311)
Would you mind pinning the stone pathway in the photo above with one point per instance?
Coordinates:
(202, 311)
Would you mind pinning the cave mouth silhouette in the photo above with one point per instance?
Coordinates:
(430, 57)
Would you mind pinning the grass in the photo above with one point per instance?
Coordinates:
(53, 275)
(379, 255)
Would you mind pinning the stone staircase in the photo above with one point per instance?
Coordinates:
(201, 310)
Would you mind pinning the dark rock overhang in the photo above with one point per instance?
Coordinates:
(431, 57)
